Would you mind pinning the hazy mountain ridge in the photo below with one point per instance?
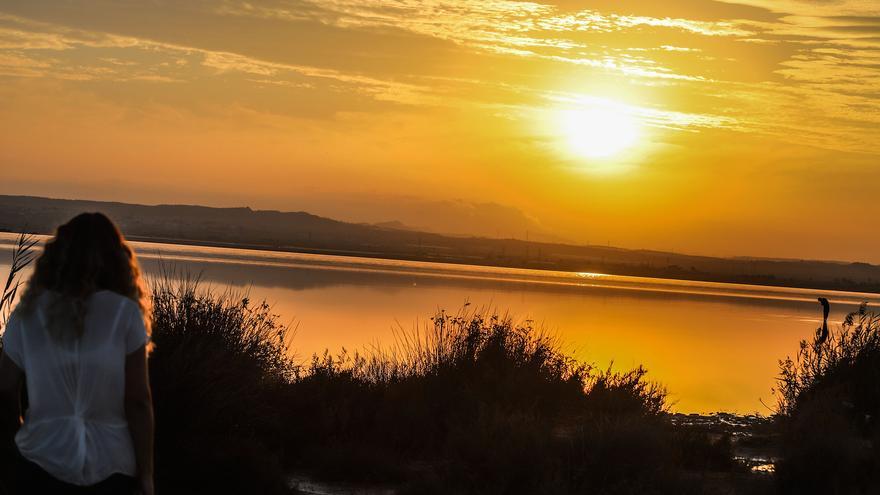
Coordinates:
(455, 217)
(302, 231)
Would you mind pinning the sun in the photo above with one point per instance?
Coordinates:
(599, 132)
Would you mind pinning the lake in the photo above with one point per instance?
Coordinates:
(714, 346)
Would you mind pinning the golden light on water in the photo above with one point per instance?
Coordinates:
(599, 132)
(591, 275)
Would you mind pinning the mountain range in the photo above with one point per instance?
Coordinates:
(305, 232)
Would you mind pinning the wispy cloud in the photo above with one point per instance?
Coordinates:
(808, 62)
(37, 52)
(523, 29)
(591, 39)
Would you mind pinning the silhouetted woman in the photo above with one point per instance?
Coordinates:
(78, 340)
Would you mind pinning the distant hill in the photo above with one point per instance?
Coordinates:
(304, 232)
(393, 225)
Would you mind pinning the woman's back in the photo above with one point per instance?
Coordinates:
(75, 426)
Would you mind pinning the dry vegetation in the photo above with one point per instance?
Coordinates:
(829, 403)
(474, 403)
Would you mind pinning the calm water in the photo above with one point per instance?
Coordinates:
(715, 346)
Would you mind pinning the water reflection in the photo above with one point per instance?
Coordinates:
(714, 345)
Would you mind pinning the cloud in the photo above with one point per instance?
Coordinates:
(499, 26)
(26, 51)
(754, 65)
(590, 38)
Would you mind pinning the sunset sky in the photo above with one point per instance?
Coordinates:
(745, 127)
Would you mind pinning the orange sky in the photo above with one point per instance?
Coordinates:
(758, 120)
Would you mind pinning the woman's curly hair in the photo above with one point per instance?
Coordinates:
(87, 254)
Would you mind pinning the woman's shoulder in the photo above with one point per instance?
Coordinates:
(25, 310)
(13, 322)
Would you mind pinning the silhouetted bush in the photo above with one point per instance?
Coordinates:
(474, 404)
(829, 396)
(218, 366)
(479, 404)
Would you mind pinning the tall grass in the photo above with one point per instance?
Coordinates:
(847, 358)
(23, 254)
(474, 403)
(478, 403)
(525, 365)
(829, 399)
(218, 366)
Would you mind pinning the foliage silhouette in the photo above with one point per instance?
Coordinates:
(829, 403)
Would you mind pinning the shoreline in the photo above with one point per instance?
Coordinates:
(481, 262)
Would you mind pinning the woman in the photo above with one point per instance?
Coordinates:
(79, 340)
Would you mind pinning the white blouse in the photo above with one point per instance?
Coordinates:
(75, 426)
